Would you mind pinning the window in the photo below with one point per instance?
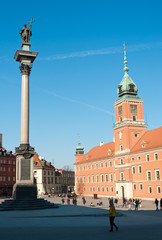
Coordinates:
(96, 165)
(4, 169)
(80, 179)
(133, 108)
(14, 179)
(134, 186)
(134, 118)
(84, 167)
(77, 168)
(120, 119)
(84, 189)
(13, 169)
(84, 179)
(44, 172)
(121, 161)
(93, 178)
(97, 178)
(89, 178)
(0, 179)
(111, 189)
(139, 169)
(93, 189)
(136, 135)
(102, 178)
(80, 168)
(107, 189)
(90, 189)
(121, 176)
(157, 173)
(149, 175)
(92, 166)
(98, 189)
(9, 169)
(121, 147)
(133, 170)
(140, 186)
(132, 158)
(110, 163)
(105, 164)
(149, 189)
(147, 158)
(106, 177)
(155, 156)
(120, 110)
(111, 177)
(139, 158)
(101, 164)
(158, 189)
(102, 189)
(9, 179)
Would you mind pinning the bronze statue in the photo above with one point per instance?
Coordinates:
(26, 32)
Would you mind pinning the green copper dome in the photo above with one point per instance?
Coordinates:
(127, 86)
(79, 148)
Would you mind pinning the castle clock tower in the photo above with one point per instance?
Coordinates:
(129, 119)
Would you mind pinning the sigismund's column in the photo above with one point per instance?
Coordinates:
(25, 188)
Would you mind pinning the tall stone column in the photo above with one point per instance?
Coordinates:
(25, 188)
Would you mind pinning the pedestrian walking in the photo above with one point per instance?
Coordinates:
(161, 204)
(136, 204)
(124, 203)
(130, 204)
(63, 200)
(112, 213)
(156, 203)
(84, 201)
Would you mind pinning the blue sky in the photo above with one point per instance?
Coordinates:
(73, 83)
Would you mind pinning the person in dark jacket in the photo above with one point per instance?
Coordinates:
(156, 203)
(161, 204)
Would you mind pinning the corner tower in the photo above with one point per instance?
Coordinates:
(129, 119)
(79, 149)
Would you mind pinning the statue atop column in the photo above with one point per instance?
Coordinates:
(26, 32)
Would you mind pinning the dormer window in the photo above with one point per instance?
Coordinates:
(120, 89)
(131, 89)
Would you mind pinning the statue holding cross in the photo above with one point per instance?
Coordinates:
(26, 32)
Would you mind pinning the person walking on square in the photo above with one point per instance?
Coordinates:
(124, 203)
(156, 203)
(161, 204)
(112, 213)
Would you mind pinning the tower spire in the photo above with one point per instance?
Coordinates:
(126, 69)
(79, 148)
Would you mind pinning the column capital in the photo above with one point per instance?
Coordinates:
(25, 69)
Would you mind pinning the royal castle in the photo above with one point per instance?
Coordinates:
(131, 165)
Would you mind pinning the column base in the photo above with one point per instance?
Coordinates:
(24, 191)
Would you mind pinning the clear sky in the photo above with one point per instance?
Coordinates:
(73, 82)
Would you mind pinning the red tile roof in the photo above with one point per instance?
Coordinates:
(151, 139)
(98, 152)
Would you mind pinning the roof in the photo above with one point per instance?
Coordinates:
(98, 152)
(151, 139)
(41, 163)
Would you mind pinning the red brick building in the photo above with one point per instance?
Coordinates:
(7, 170)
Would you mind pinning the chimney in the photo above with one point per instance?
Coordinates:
(101, 143)
(0, 140)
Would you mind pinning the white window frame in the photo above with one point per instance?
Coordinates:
(139, 166)
(111, 177)
(156, 154)
(147, 157)
(149, 171)
(149, 187)
(157, 170)
(158, 187)
(140, 186)
(97, 178)
(107, 189)
(112, 188)
(106, 178)
(139, 158)
(121, 176)
(133, 170)
(102, 178)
